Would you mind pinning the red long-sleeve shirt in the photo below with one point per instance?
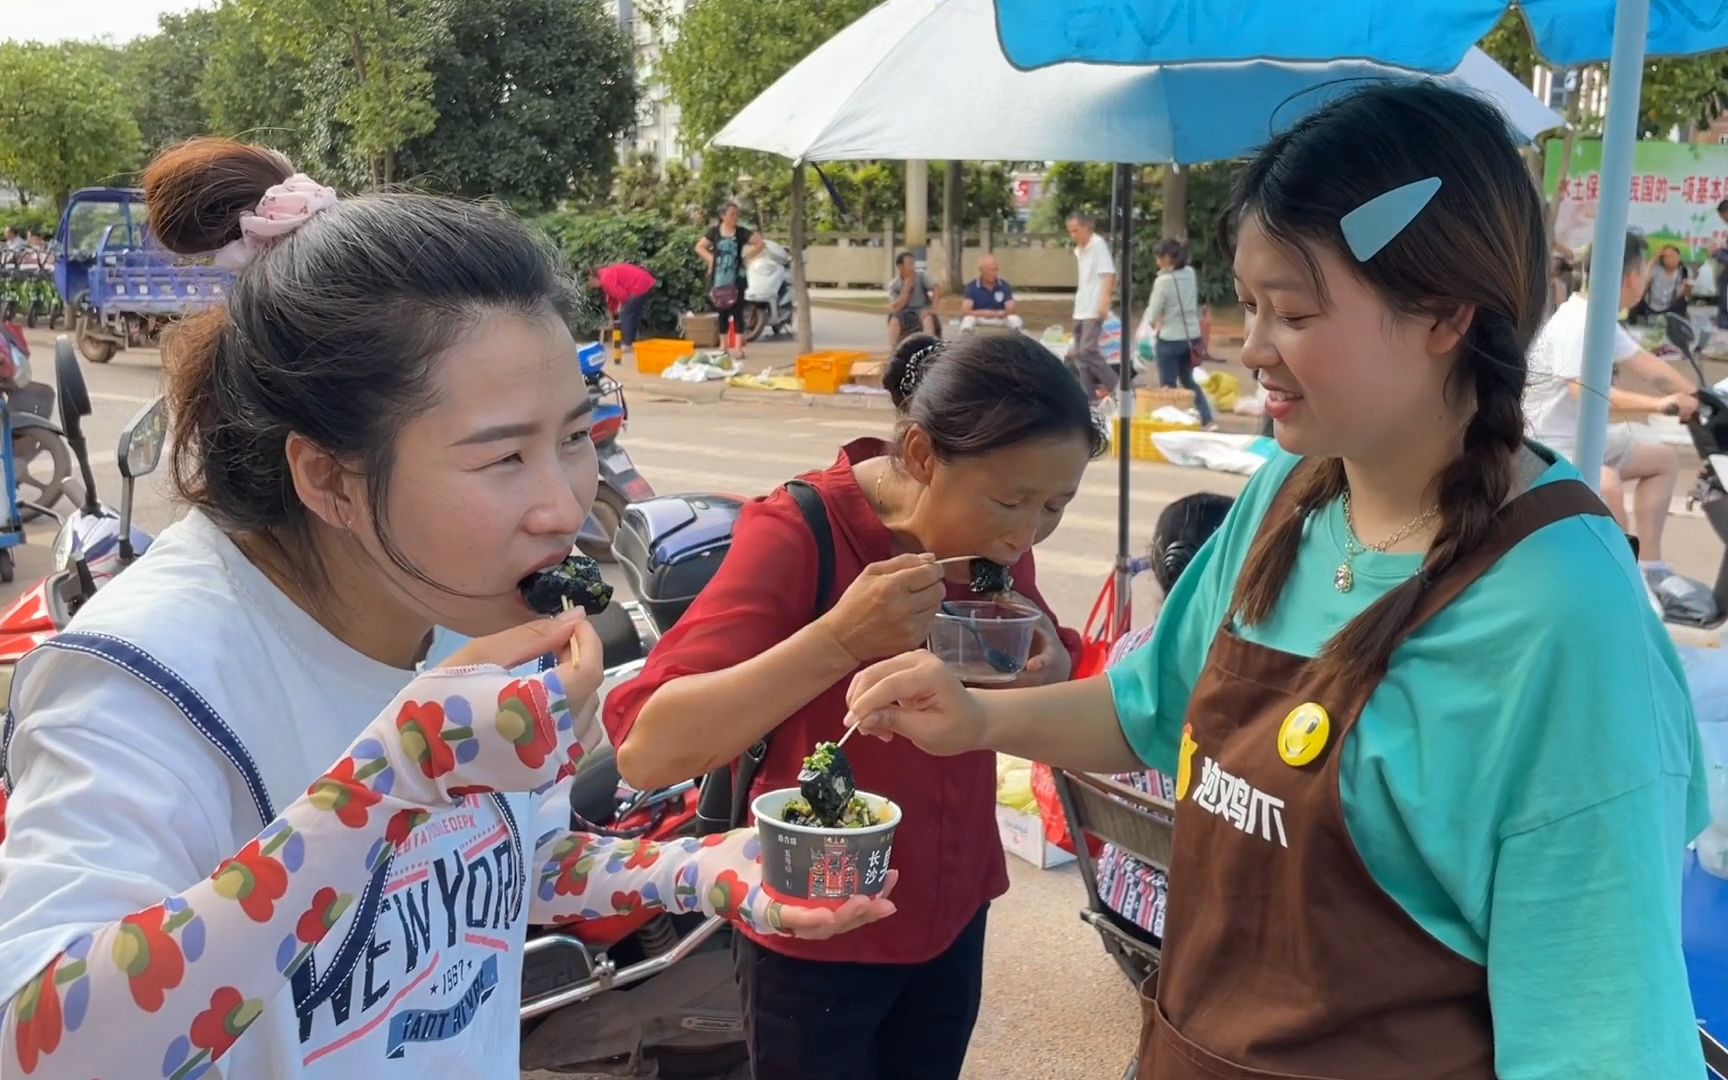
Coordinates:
(622, 283)
(946, 849)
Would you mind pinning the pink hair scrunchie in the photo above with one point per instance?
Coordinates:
(284, 208)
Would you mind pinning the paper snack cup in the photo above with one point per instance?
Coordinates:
(804, 864)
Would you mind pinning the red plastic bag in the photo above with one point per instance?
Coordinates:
(1050, 812)
(1097, 640)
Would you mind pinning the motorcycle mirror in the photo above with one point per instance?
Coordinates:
(74, 394)
(1680, 332)
(141, 442)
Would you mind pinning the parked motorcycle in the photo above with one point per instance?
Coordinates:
(769, 303)
(678, 1010)
(620, 482)
(1683, 601)
(95, 542)
(41, 461)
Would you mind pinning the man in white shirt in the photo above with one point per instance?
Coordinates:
(1551, 411)
(1097, 280)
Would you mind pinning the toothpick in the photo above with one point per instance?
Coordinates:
(851, 731)
(575, 654)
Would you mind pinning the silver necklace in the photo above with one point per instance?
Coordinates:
(1344, 578)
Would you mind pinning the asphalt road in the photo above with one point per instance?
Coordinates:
(1055, 1007)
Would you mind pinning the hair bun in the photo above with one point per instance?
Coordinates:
(198, 190)
(911, 359)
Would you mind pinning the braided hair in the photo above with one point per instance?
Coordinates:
(1478, 245)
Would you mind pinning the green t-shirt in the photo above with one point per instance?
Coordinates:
(1523, 782)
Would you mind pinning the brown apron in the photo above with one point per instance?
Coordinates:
(1283, 957)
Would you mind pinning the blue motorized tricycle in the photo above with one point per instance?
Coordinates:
(121, 288)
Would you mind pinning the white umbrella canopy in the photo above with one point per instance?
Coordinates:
(927, 79)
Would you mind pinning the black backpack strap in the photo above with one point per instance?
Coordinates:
(815, 512)
(724, 802)
(309, 990)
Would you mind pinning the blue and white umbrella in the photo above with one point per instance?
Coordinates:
(1427, 35)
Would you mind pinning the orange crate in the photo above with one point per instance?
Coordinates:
(827, 372)
(657, 354)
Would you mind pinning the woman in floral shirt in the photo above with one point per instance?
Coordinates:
(244, 834)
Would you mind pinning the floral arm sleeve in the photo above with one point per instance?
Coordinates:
(136, 989)
(583, 876)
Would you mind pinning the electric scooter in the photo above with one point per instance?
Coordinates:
(1685, 602)
(620, 482)
(769, 303)
(95, 541)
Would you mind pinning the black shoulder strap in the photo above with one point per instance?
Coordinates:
(309, 990)
(725, 798)
(815, 512)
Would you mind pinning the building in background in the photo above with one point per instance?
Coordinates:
(1716, 134)
(658, 133)
(1557, 89)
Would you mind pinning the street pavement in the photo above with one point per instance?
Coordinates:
(1055, 1006)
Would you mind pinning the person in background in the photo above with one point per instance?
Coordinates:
(1095, 282)
(1669, 288)
(626, 288)
(1551, 410)
(14, 243)
(989, 300)
(991, 444)
(1720, 254)
(1133, 889)
(911, 301)
(1172, 321)
(726, 249)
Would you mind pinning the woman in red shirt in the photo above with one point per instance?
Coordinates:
(626, 288)
(993, 439)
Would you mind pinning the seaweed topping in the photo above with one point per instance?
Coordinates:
(576, 579)
(826, 782)
(990, 579)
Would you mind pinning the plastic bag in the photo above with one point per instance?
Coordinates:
(1705, 284)
(1707, 678)
(1222, 389)
(1110, 339)
(1050, 811)
(1014, 784)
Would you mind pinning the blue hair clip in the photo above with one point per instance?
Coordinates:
(1377, 222)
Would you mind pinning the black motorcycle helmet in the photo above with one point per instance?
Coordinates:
(1182, 529)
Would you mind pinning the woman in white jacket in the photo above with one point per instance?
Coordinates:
(248, 833)
(1172, 321)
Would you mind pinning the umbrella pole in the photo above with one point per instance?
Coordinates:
(1608, 251)
(1124, 199)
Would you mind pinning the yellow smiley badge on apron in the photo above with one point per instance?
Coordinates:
(1185, 762)
(1303, 734)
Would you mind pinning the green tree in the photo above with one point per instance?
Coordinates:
(729, 51)
(1510, 46)
(529, 94)
(1683, 92)
(65, 121)
(367, 72)
(1686, 92)
(251, 90)
(165, 74)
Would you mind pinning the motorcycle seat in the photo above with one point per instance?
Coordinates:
(594, 788)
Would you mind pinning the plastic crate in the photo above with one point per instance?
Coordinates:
(1140, 444)
(657, 354)
(827, 372)
(1147, 401)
